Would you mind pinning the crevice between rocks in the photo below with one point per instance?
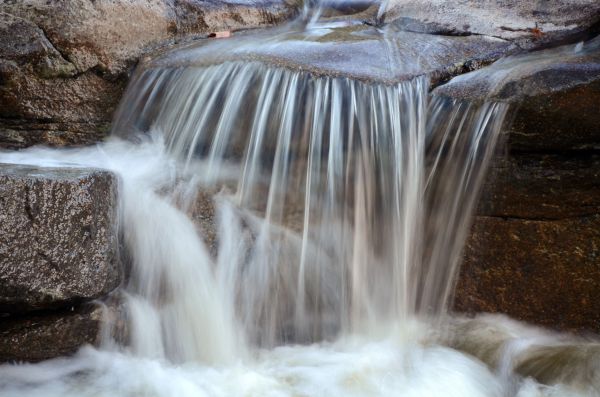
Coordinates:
(537, 219)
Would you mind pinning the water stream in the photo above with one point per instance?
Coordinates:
(341, 208)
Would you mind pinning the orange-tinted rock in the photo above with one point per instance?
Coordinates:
(543, 272)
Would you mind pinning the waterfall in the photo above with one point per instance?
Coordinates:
(291, 233)
(345, 205)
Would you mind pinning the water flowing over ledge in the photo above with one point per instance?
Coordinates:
(342, 208)
(339, 190)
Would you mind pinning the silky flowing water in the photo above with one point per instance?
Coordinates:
(340, 211)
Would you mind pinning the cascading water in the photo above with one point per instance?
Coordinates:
(342, 207)
(335, 182)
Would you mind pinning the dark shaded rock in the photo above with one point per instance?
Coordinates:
(543, 272)
(568, 120)
(530, 24)
(64, 65)
(58, 236)
(542, 187)
(43, 336)
(535, 252)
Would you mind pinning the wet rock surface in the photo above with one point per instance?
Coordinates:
(348, 49)
(58, 236)
(64, 65)
(529, 24)
(534, 250)
(42, 336)
(524, 76)
(547, 357)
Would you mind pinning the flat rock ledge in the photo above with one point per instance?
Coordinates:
(58, 236)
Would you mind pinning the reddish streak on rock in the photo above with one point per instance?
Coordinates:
(220, 35)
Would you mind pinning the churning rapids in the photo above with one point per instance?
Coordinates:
(340, 210)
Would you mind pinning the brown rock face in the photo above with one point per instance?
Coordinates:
(534, 250)
(541, 187)
(64, 65)
(565, 120)
(543, 272)
(40, 337)
(58, 236)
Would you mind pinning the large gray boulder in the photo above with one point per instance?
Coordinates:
(64, 65)
(58, 236)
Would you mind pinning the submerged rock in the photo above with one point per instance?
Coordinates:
(508, 347)
(58, 236)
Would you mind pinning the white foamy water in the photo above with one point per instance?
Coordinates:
(408, 359)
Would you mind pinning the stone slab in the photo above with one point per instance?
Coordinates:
(58, 236)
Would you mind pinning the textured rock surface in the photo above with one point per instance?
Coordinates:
(39, 337)
(560, 121)
(536, 74)
(543, 187)
(202, 212)
(527, 23)
(64, 65)
(43, 335)
(353, 50)
(543, 272)
(58, 236)
(534, 251)
(553, 359)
